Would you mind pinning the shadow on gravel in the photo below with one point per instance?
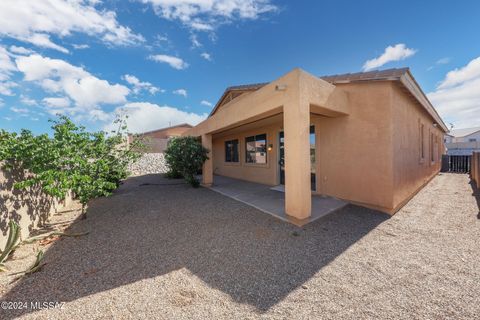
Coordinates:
(145, 232)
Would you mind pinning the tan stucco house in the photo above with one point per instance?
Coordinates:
(372, 138)
(156, 141)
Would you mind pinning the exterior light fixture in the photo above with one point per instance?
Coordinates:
(281, 87)
(270, 147)
(435, 125)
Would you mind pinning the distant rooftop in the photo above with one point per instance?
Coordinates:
(186, 125)
(458, 133)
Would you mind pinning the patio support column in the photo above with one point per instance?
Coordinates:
(296, 124)
(207, 169)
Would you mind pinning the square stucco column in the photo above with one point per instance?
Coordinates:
(207, 169)
(296, 126)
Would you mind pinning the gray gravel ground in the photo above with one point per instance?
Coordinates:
(172, 252)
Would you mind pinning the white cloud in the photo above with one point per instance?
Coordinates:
(457, 97)
(58, 76)
(206, 103)
(458, 76)
(80, 46)
(36, 21)
(174, 62)
(6, 88)
(7, 118)
(195, 42)
(181, 92)
(144, 116)
(57, 102)
(139, 85)
(85, 90)
(392, 53)
(443, 60)
(19, 110)
(6, 64)
(206, 15)
(27, 101)
(43, 40)
(7, 67)
(20, 50)
(206, 56)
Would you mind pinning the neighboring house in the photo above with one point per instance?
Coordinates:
(156, 141)
(463, 142)
(372, 138)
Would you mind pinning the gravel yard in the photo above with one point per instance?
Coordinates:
(160, 249)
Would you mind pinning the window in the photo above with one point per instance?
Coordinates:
(472, 140)
(421, 136)
(432, 153)
(256, 149)
(231, 151)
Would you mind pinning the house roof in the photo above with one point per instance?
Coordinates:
(389, 74)
(458, 133)
(165, 128)
(395, 74)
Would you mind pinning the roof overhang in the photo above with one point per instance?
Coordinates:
(409, 82)
(293, 90)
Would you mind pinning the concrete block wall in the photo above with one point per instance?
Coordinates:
(29, 208)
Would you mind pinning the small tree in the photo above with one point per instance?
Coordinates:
(89, 164)
(185, 156)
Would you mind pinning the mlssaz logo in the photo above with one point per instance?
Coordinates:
(40, 305)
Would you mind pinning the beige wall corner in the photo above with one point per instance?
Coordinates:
(207, 169)
(296, 122)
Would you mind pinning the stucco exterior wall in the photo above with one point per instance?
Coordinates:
(260, 173)
(354, 154)
(29, 208)
(410, 171)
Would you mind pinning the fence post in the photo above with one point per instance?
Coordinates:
(476, 168)
(445, 163)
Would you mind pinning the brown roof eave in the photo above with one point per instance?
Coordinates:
(409, 82)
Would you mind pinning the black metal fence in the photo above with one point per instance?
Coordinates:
(459, 164)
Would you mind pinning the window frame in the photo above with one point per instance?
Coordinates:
(421, 135)
(255, 136)
(232, 151)
(432, 148)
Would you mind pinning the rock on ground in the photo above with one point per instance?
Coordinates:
(149, 163)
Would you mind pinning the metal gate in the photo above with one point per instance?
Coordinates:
(460, 164)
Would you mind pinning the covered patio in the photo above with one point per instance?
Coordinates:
(290, 101)
(271, 200)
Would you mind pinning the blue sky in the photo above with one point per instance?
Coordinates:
(168, 61)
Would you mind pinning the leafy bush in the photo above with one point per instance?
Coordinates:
(89, 164)
(185, 157)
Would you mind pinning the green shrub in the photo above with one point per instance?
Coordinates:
(185, 157)
(172, 174)
(89, 164)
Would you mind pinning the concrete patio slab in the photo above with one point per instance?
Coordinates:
(272, 201)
